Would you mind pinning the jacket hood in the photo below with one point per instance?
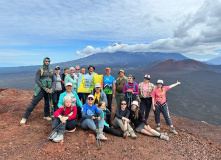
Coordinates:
(44, 65)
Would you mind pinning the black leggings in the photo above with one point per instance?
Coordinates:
(112, 131)
(145, 106)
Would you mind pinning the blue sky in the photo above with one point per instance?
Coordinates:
(72, 29)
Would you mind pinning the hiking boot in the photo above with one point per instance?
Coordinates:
(102, 137)
(47, 118)
(23, 121)
(58, 138)
(164, 137)
(71, 131)
(158, 127)
(53, 135)
(133, 135)
(173, 130)
(126, 134)
(164, 134)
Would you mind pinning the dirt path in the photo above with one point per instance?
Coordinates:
(196, 140)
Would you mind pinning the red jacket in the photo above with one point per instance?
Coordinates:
(67, 112)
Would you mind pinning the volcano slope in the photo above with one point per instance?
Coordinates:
(196, 140)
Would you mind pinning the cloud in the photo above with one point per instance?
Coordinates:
(198, 33)
(56, 22)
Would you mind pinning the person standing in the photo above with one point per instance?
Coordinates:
(131, 90)
(159, 103)
(58, 87)
(109, 87)
(144, 96)
(77, 70)
(72, 78)
(121, 81)
(91, 69)
(45, 83)
(65, 72)
(83, 71)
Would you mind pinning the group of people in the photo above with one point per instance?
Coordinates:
(134, 102)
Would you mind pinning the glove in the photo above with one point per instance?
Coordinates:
(46, 90)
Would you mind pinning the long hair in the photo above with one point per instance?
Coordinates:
(136, 115)
(162, 89)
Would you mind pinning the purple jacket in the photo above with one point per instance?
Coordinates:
(131, 86)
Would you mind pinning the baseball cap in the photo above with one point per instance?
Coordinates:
(68, 84)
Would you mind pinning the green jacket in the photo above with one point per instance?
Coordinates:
(74, 82)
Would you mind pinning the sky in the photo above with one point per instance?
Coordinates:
(66, 30)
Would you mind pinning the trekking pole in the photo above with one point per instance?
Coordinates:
(47, 138)
(52, 103)
(49, 105)
(98, 135)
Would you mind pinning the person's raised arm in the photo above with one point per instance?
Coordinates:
(175, 84)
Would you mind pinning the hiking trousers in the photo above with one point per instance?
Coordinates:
(69, 125)
(129, 100)
(119, 97)
(91, 124)
(55, 98)
(165, 113)
(120, 123)
(35, 101)
(145, 106)
(112, 131)
(109, 102)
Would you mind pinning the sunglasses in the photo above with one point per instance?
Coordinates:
(123, 103)
(47, 60)
(90, 99)
(57, 69)
(77, 69)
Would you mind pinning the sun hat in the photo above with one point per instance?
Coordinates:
(97, 85)
(91, 66)
(160, 81)
(71, 68)
(121, 71)
(135, 103)
(68, 84)
(90, 96)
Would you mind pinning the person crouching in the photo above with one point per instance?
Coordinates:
(67, 116)
(92, 118)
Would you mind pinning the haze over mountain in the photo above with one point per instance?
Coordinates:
(215, 61)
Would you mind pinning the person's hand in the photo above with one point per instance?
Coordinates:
(178, 82)
(154, 108)
(113, 95)
(126, 119)
(139, 100)
(93, 117)
(63, 120)
(129, 90)
(50, 91)
(99, 118)
(46, 90)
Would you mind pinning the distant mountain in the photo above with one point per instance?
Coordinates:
(178, 67)
(116, 59)
(215, 61)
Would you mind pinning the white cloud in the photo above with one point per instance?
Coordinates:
(26, 22)
(198, 34)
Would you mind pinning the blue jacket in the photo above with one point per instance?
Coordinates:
(78, 101)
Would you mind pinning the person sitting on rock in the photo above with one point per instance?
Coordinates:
(99, 95)
(92, 118)
(159, 103)
(67, 116)
(45, 84)
(141, 125)
(121, 120)
(105, 111)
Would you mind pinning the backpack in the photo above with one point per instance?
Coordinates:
(127, 86)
